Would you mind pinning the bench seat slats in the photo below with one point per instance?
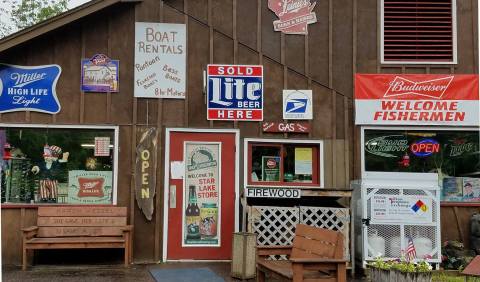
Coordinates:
(82, 211)
(81, 221)
(74, 240)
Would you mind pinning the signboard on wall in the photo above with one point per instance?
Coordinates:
(235, 92)
(160, 60)
(297, 104)
(89, 187)
(416, 99)
(408, 209)
(202, 194)
(262, 192)
(100, 74)
(293, 15)
(146, 171)
(293, 127)
(29, 88)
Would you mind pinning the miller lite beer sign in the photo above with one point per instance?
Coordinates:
(235, 92)
(407, 99)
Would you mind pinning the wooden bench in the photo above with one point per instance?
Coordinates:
(316, 255)
(79, 228)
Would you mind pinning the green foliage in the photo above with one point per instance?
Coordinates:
(401, 265)
(29, 12)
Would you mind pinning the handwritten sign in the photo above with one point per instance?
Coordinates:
(282, 127)
(29, 88)
(160, 60)
(145, 171)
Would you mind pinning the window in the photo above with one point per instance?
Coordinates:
(453, 154)
(58, 165)
(418, 31)
(275, 163)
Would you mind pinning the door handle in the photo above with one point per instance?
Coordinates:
(173, 196)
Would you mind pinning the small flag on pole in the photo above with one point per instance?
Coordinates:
(410, 253)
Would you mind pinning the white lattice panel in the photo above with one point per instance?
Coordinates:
(337, 219)
(274, 226)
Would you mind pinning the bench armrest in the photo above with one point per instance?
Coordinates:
(29, 232)
(318, 260)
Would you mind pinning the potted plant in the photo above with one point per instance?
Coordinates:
(400, 271)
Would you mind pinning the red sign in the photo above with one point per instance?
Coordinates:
(429, 99)
(294, 15)
(296, 127)
(90, 187)
(425, 147)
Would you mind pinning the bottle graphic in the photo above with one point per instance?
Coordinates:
(192, 214)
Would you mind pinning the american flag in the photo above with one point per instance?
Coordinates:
(410, 253)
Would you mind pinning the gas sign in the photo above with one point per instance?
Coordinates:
(235, 92)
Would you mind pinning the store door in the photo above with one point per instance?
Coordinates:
(200, 198)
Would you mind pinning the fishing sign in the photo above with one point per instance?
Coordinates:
(416, 99)
(235, 92)
(29, 88)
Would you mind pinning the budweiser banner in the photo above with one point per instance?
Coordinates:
(145, 170)
(416, 99)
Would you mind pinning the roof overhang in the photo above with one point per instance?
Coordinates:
(57, 21)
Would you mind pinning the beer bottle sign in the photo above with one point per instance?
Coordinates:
(202, 195)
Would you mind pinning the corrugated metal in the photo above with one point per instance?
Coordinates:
(416, 30)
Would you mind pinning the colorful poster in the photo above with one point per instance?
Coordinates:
(270, 168)
(408, 209)
(471, 189)
(89, 187)
(100, 74)
(31, 88)
(160, 60)
(202, 194)
(417, 99)
(303, 161)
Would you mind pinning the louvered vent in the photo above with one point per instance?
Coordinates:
(416, 30)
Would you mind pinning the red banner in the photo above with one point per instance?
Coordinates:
(430, 99)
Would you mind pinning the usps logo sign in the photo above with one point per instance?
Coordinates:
(235, 92)
(297, 104)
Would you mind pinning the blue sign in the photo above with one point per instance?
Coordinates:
(297, 104)
(29, 88)
(235, 92)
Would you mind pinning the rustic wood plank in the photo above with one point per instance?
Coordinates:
(82, 211)
(82, 221)
(79, 231)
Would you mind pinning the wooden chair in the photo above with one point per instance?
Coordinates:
(79, 228)
(316, 255)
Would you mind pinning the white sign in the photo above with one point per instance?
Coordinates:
(272, 192)
(401, 209)
(160, 60)
(297, 104)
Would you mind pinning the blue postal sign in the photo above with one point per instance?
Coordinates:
(29, 88)
(235, 92)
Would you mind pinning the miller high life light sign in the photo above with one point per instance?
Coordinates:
(235, 92)
(414, 99)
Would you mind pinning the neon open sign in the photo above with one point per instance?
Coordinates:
(425, 147)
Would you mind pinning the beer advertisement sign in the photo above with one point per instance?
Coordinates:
(235, 92)
(89, 187)
(416, 99)
(99, 74)
(160, 60)
(202, 194)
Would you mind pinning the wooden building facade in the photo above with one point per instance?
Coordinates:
(343, 41)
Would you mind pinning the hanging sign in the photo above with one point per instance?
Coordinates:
(294, 15)
(235, 92)
(202, 194)
(414, 99)
(288, 193)
(297, 104)
(100, 74)
(89, 187)
(29, 88)
(146, 170)
(292, 127)
(401, 209)
(160, 60)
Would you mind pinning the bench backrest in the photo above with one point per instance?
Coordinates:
(81, 221)
(314, 242)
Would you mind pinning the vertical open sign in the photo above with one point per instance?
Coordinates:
(235, 92)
